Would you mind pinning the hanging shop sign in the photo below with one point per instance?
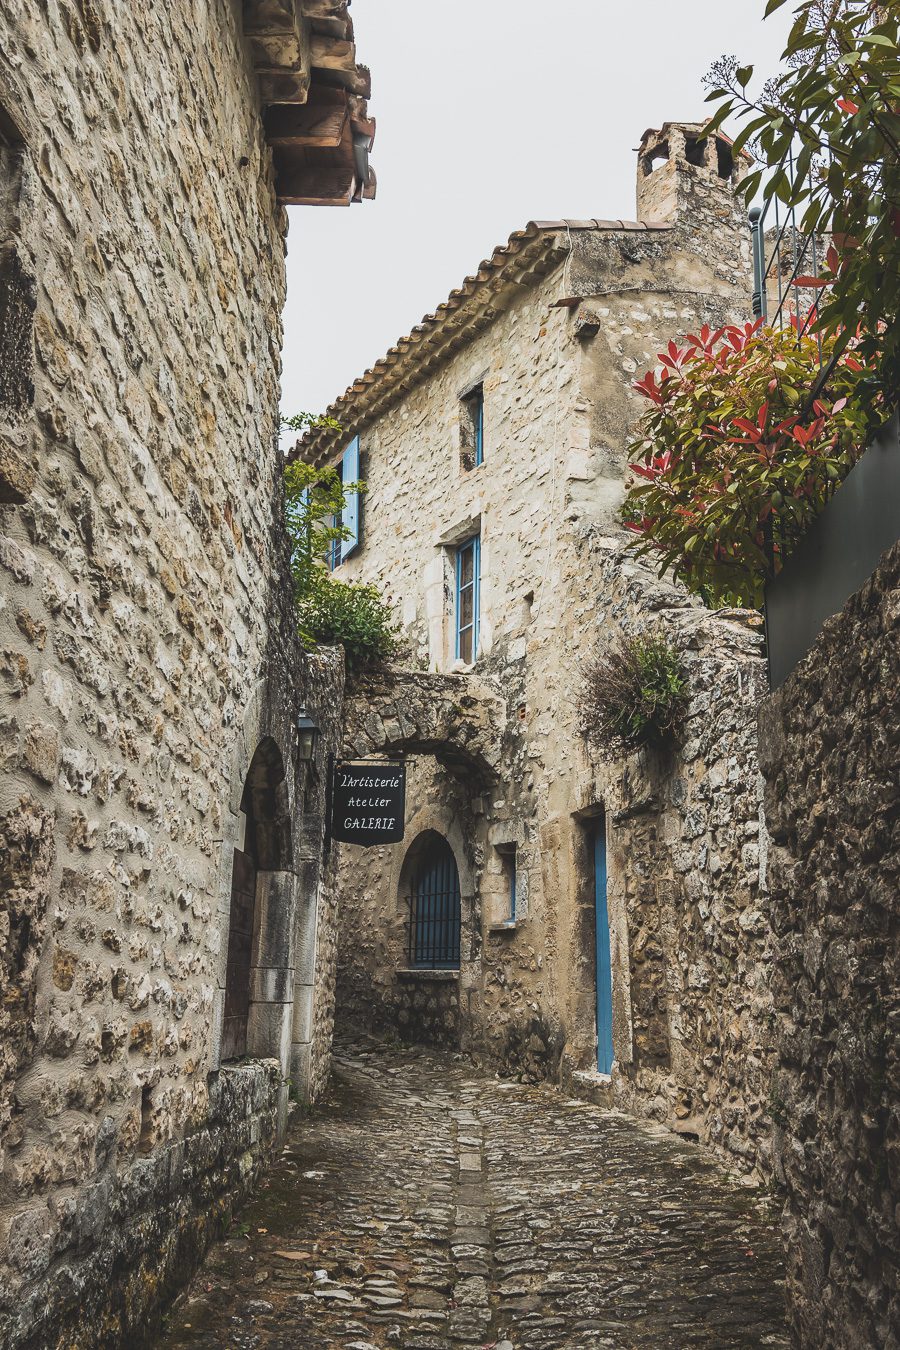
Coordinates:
(368, 803)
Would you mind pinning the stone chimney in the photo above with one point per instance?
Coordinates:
(676, 171)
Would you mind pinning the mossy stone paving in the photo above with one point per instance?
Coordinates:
(427, 1206)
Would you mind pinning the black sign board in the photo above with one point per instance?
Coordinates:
(368, 804)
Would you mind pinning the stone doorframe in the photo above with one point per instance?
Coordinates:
(284, 940)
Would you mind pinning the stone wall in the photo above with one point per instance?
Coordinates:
(145, 1230)
(829, 749)
(688, 907)
(147, 653)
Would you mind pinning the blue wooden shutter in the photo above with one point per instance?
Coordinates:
(350, 518)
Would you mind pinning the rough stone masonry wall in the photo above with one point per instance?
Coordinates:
(829, 741)
(689, 913)
(140, 613)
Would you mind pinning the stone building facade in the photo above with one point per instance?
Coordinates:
(493, 442)
(828, 749)
(151, 676)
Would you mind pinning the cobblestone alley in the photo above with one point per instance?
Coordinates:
(425, 1206)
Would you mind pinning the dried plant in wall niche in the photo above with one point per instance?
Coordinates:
(633, 693)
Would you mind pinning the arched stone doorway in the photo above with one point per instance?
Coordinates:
(259, 968)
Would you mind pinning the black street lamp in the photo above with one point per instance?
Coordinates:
(307, 733)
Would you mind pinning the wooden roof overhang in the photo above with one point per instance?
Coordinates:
(313, 95)
(526, 257)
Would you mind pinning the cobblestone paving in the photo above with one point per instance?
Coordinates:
(428, 1207)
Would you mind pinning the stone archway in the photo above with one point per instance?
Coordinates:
(456, 718)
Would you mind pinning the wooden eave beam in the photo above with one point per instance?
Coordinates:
(319, 187)
(324, 9)
(312, 125)
(328, 53)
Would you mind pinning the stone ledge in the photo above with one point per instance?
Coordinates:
(424, 974)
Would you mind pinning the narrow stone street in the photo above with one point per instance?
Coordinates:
(426, 1206)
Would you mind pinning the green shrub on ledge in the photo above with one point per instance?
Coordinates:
(634, 694)
(350, 615)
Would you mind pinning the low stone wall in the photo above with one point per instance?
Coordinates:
(829, 752)
(128, 1242)
(426, 1007)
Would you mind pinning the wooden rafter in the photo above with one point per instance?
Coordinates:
(314, 99)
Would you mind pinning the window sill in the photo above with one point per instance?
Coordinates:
(424, 973)
(508, 926)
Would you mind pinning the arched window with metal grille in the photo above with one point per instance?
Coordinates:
(434, 904)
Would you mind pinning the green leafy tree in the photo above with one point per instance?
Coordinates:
(827, 133)
(314, 503)
(735, 455)
(330, 611)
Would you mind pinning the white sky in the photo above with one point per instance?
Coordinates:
(490, 113)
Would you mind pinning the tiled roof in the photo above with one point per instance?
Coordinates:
(526, 256)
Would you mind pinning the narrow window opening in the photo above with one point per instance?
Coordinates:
(468, 585)
(656, 158)
(349, 519)
(145, 1139)
(695, 152)
(471, 428)
(510, 880)
(725, 158)
(333, 557)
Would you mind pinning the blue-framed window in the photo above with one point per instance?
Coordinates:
(478, 421)
(348, 471)
(508, 854)
(468, 598)
(473, 428)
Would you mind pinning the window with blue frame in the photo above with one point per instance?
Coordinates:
(472, 428)
(468, 601)
(348, 471)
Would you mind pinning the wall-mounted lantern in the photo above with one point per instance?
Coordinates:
(307, 732)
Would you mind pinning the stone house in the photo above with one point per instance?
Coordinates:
(167, 931)
(555, 915)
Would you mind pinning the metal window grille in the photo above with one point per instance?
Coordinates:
(434, 923)
(468, 586)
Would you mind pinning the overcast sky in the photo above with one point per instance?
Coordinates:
(490, 113)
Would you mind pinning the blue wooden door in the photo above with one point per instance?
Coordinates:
(604, 964)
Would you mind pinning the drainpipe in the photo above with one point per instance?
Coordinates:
(760, 299)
